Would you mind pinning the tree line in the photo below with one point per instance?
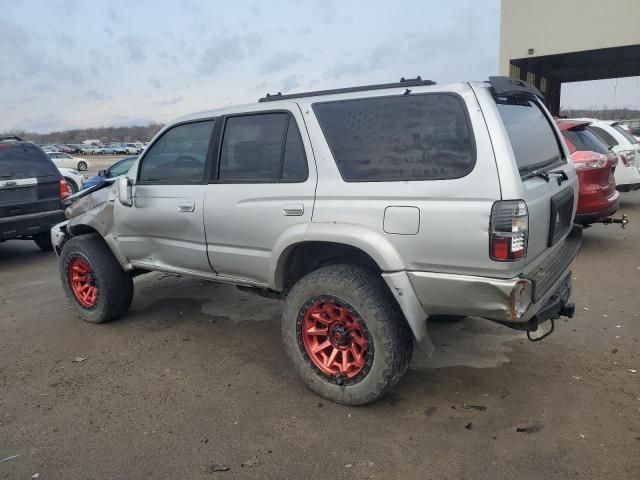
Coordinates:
(140, 133)
(603, 113)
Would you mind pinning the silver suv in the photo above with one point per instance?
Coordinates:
(368, 210)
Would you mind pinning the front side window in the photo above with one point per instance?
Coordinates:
(630, 138)
(262, 148)
(409, 137)
(179, 156)
(532, 138)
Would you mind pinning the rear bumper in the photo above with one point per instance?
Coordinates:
(531, 297)
(30, 224)
(593, 217)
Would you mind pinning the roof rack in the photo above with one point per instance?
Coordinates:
(404, 82)
(11, 137)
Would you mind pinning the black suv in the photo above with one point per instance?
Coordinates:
(31, 192)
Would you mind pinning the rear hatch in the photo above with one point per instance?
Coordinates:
(549, 183)
(29, 181)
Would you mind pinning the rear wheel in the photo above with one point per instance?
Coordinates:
(43, 241)
(345, 334)
(99, 289)
(73, 188)
(82, 166)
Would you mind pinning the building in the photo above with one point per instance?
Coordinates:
(551, 42)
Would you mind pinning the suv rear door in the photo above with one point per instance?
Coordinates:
(536, 147)
(29, 181)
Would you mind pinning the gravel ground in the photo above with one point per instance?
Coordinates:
(194, 379)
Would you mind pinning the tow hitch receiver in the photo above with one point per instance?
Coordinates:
(624, 221)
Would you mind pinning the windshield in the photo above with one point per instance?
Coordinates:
(533, 140)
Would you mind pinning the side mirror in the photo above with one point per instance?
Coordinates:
(125, 191)
(102, 173)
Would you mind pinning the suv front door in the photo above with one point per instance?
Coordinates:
(262, 192)
(163, 229)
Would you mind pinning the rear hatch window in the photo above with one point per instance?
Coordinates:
(532, 137)
(24, 161)
(583, 140)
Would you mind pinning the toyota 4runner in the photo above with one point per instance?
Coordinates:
(367, 209)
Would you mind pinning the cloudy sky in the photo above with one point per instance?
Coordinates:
(73, 63)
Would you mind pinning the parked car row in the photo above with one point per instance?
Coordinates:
(132, 148)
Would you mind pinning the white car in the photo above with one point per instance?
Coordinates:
(131, 148)
(67, 161)
(627, 173)
(74, 179)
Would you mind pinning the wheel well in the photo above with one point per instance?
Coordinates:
(306, 257)
(82, 230)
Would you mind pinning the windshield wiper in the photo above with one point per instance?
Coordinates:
(559, 175)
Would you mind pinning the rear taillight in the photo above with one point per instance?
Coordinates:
(626, 157)
(64, 189)
(586, 160)
(509, 231)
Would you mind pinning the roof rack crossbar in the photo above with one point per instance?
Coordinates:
(408, 82)
(11, 137)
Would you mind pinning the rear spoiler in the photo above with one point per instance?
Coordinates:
(507, 86)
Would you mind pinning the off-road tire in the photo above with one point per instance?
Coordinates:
(43, 241)
(365, 292)
(115, 286)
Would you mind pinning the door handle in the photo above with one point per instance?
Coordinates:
(186, 206)
(293, 210)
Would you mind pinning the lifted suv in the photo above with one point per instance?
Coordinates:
(367, 209)
(31, 192)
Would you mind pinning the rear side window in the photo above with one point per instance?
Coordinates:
(604, 135)
(532, 138)
(179, 156)
(24, 161)
(625, 134)
(411, 137)
(583, 140)
(262, 148)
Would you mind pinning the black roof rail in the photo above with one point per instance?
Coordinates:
(11, 137)
(513, 86)
(404, 82)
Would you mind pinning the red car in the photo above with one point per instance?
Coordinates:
(595, 164)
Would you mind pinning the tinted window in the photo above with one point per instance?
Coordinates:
(604, 135)
(294, 165)
(532, 138)
(254, 149)
(583, 140)
(625, 134)
(24, 162)
(179, 156)
(412, 137)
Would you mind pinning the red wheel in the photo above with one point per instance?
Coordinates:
(83, 282)
(334, 338)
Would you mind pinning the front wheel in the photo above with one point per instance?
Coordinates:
(345, 334)
(95, 283)
(82, 166)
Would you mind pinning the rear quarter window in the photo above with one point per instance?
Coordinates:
(400, 138)
(24, 161)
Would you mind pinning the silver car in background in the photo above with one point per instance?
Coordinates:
(368, 210)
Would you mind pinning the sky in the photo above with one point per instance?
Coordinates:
(76, 64)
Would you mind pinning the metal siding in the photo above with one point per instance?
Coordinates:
(551, 27)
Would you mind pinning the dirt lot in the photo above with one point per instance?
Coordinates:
(195, 375)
